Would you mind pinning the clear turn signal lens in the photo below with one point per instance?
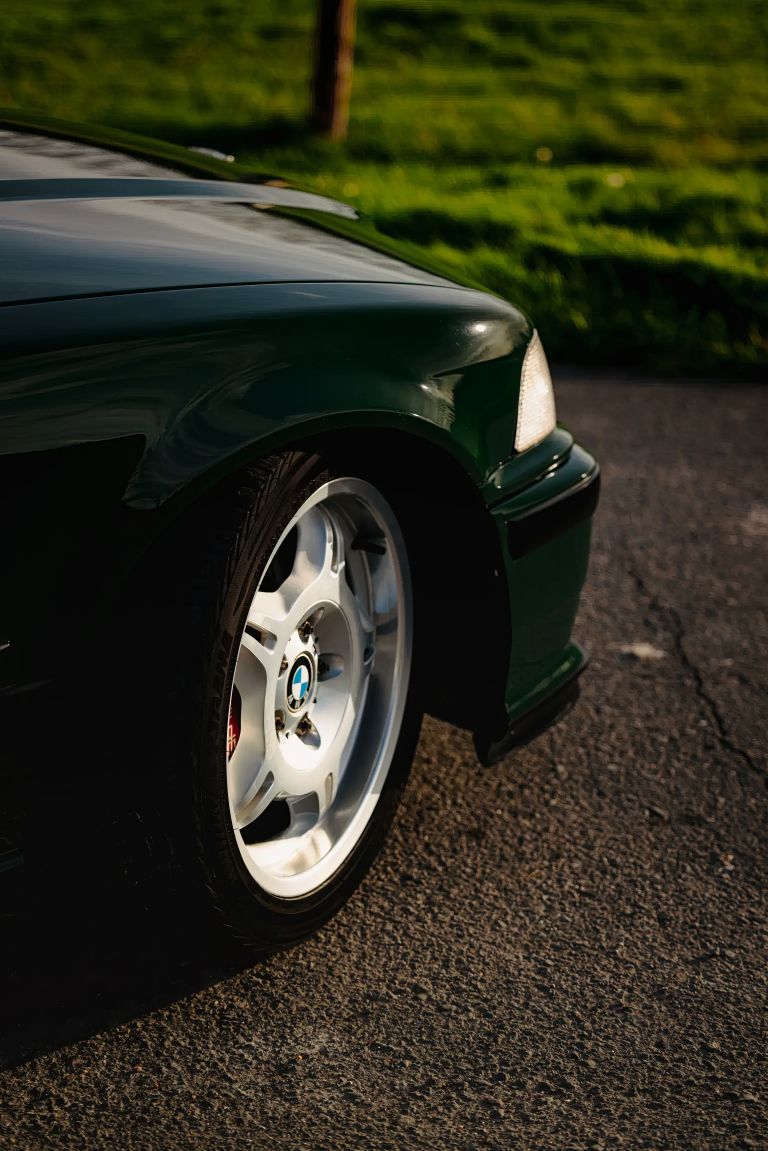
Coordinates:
(536, 408)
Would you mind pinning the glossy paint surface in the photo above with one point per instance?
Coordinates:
(165, 342)
(204, 375)
(545, 585)
(75, 222)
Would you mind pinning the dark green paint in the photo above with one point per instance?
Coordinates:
(206, 374)
(120, 405)
(544, 585)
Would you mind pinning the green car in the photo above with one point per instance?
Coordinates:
(271, 491)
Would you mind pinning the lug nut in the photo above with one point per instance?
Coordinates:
(279, 721)
(283, 665)
(305, 631)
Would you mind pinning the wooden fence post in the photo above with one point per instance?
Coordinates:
(332, 83)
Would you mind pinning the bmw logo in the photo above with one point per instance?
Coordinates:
(299, 683)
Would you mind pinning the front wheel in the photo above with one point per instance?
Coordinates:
(307, 721)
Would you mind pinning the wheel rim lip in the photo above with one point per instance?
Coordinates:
(296, 866)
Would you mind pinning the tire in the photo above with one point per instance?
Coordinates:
(307, 716)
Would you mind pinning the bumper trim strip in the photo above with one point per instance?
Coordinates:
(537, 527)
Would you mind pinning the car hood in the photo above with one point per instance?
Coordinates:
(82, 220)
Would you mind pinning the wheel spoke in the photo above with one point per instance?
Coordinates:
(319, 546)
(257, 671)
(321, 562)
(256, 753)
(247, 769)
(256, 802)
(268, 626)
(254, 775)
(303, 811)
(313, 578)
(336, 746)
(320, 543)
(361, 629)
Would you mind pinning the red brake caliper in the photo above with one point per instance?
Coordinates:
(233, 727)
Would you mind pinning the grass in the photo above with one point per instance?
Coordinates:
(604, 165)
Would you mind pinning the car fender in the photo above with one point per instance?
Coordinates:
(120, 411)
(205, 374)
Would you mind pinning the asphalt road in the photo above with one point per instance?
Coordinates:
(567, 950)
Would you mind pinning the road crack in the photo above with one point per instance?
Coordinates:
(672, 622)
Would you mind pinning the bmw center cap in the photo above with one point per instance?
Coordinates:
(299, 683)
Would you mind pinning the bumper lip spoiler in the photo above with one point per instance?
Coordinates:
(534, 722)
(537, 527)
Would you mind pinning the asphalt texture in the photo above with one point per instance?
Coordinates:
(565, 951)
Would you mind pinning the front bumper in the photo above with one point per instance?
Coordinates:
(544, 714)
(533, 528)
(544, 528)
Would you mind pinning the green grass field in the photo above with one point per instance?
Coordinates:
(604, 165)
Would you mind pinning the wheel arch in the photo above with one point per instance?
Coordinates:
(462, 603)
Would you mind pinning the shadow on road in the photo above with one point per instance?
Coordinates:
(79, 957)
